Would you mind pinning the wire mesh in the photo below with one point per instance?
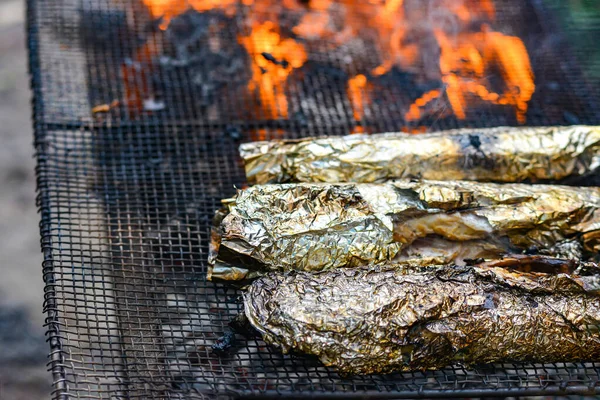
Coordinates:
(127, 196)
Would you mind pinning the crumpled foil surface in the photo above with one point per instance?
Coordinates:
(398, 318)
(502, 154)
(317, 226)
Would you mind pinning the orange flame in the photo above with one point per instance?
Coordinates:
(392, 31)
(463, 64)
(358, 95)
(314, 23)
(167, 9)
(269, 75)
(469, 50)
(510, 54)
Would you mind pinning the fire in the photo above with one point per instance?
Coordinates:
(273, 58)
(167, 9)
(465, 57)
(358, 95)
(447, 40)
(392, 31)
(463, 64)
(315, 23)
(414, 112)
(510, 54)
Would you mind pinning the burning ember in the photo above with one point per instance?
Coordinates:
(448, 41)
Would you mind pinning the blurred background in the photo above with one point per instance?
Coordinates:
(23, 348)
(582, 22)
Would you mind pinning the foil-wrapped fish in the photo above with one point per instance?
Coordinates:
(503, 154)
(316, 226)
(379, 320)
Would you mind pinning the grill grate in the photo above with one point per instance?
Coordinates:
(127, 197)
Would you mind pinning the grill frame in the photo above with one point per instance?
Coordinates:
(45, 129)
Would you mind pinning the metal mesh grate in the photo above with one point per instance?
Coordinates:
(127, 198)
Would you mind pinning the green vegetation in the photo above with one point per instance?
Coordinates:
(581, 20)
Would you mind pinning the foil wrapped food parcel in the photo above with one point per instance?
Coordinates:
(385, 319)
(320, 226)
(502, 154)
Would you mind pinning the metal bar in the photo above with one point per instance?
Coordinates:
(427, 394)
(254, 124)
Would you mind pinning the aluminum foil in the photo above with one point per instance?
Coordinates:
(503, 154)
(316, 226)
(379, 320)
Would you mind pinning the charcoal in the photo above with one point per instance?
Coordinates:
(233, 132)
(271, 58)
(311, 81)
(211, 69)
(104, 26)
(241, 325)
(394, 91)
(187, 28)
(224, 343)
